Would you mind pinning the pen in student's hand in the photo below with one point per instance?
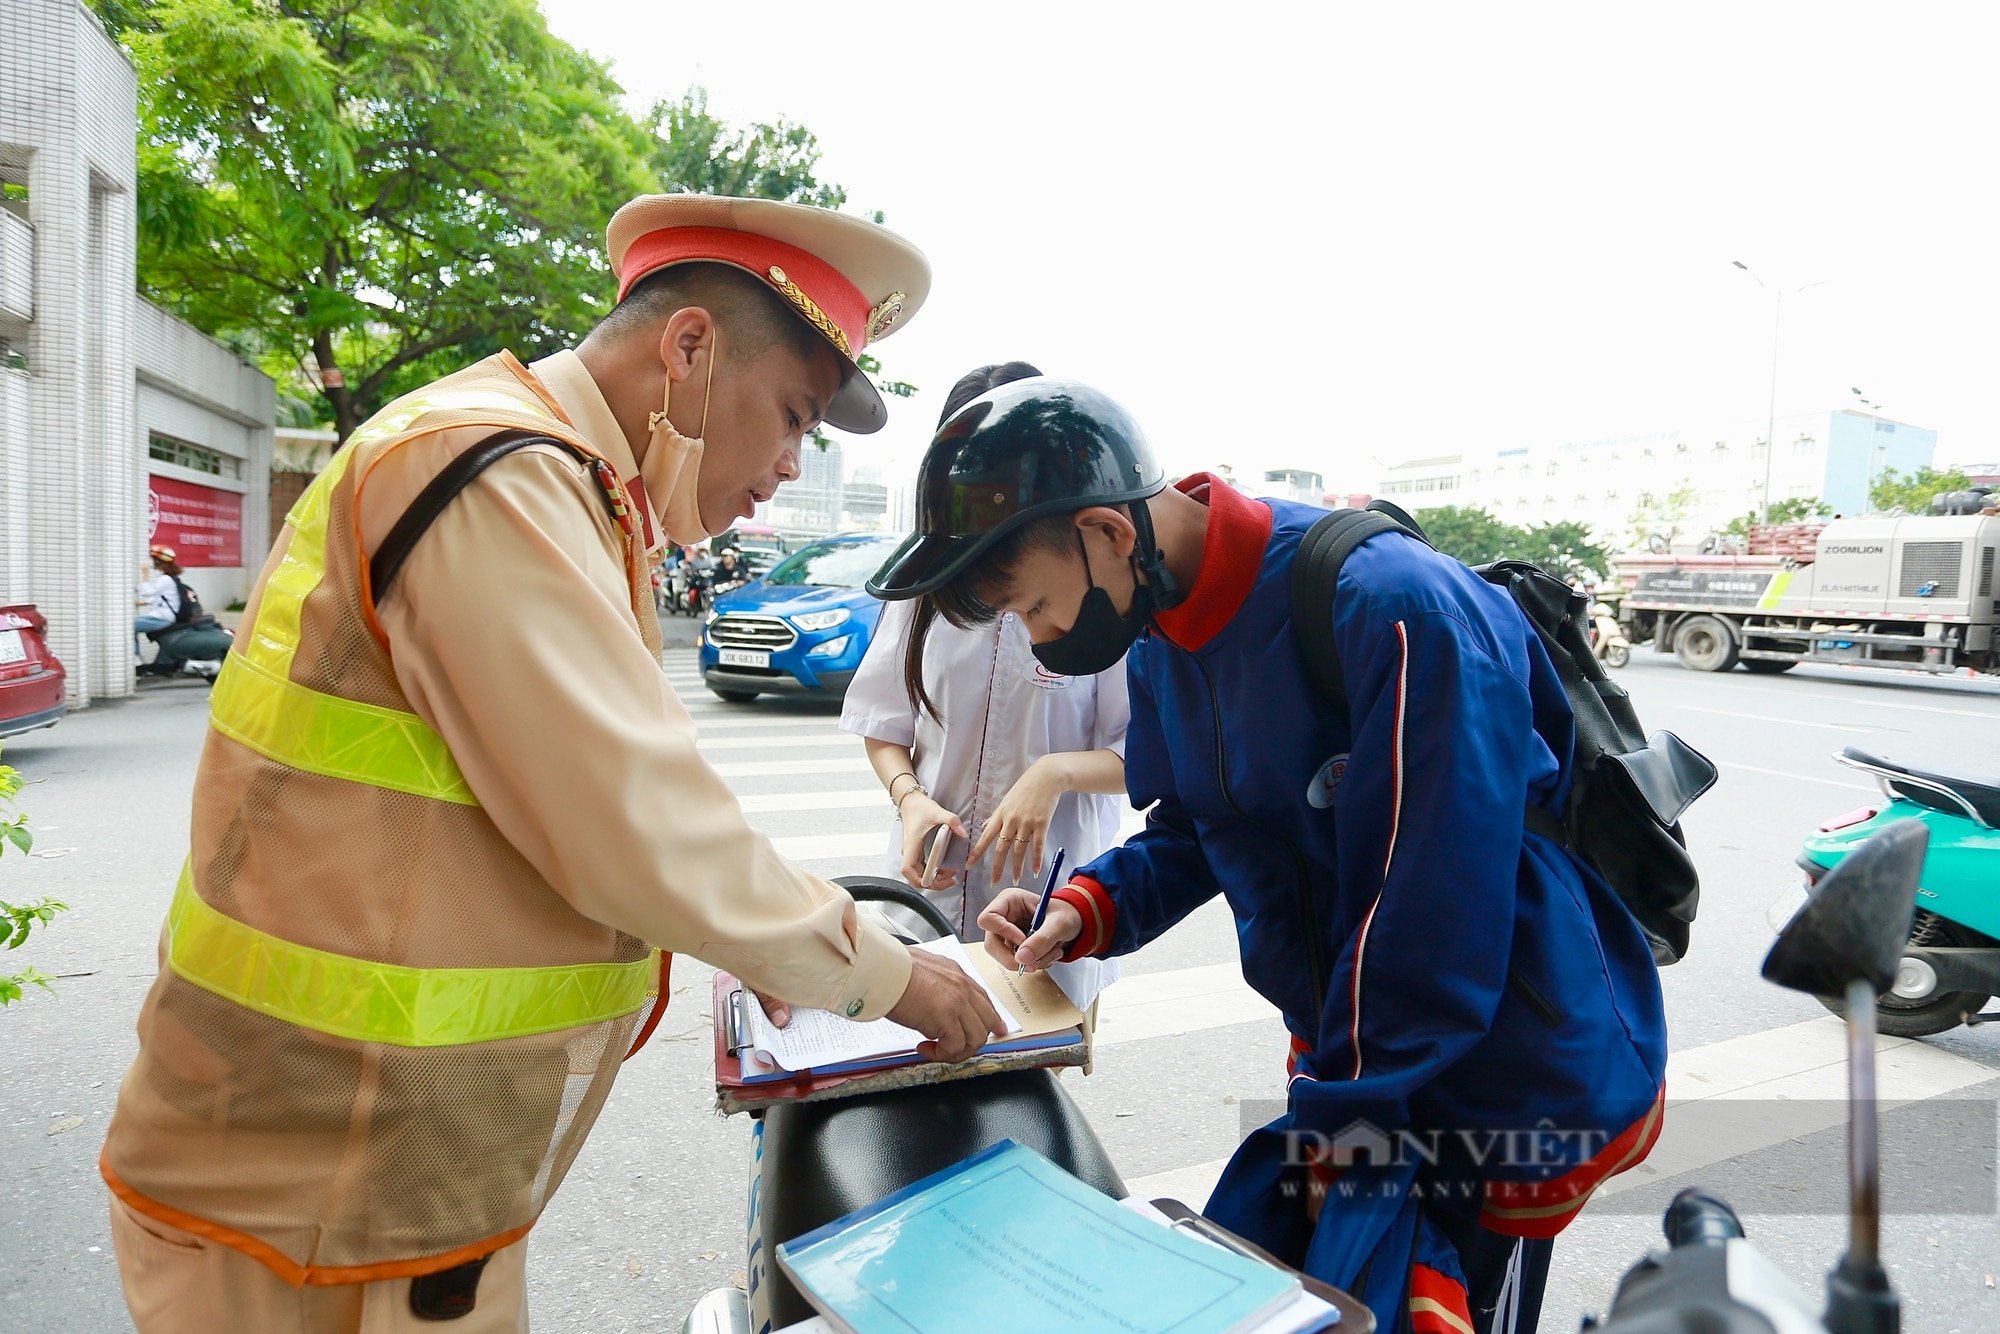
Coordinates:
(1048, 892)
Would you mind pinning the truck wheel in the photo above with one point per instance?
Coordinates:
(1705, 644)
(1766, 666)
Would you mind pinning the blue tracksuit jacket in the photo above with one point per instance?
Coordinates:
(1441, 971)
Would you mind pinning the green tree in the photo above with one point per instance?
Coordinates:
(17, 921)
(1662, 515)
(1912, 491)
(696, 152)
(1566, 549)
(1470, 533)
(364, 190)
(1792, 509)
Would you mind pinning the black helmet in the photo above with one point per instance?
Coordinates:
(1027, 449)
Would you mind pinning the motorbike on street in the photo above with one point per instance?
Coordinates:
(1950, 965)
(1607, 637)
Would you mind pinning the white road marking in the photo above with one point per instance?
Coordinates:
(1796, 778)
(857, 764)
(769, 742)
(1785, 1083)
(819, 847)
(775, 803)
(1770, 718)
(1860, 701)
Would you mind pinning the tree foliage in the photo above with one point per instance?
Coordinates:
(1662, 515)
(1792, 509)
(18, 921)
(355, 186)
(1476, 537)
(1912, 491)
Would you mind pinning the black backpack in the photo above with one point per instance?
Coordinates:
(1629, 789)
(191, 612)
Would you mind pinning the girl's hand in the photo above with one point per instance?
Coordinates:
(921, 817)
(1019, 830)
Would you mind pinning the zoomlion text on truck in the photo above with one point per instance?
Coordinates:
(1914, 593)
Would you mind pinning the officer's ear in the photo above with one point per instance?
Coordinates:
(1108, 523)
(687, 340)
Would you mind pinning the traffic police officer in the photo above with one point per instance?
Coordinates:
(449, 812)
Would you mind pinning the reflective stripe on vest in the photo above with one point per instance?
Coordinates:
(381, 1002)
(257, 704)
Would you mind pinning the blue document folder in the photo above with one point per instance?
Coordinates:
(1007, 1241)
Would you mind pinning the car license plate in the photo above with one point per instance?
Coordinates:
(1780, 914)
(744, 657)
(11, 647)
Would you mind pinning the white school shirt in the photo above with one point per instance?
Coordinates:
(162, 598)
(1002, 711)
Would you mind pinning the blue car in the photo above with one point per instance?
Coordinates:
(802, 628)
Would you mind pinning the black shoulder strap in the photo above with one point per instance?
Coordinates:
(454, 478)
(1322, 551)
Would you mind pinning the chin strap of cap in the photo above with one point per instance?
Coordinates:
(1152, 562)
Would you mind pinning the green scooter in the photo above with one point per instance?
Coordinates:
(1951, 966)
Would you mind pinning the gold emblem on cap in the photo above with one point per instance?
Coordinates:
(810, 309)
(884, 315)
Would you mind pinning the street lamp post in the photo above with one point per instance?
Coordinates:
(1874, 430)
(1771, 420)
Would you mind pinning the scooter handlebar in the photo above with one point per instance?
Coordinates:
(1697, 1218)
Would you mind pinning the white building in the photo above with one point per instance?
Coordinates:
(1607, 483)
(119, 425)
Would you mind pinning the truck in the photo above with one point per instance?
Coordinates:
(1902, 593)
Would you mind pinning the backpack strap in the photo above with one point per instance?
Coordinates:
(454, 478)
(1315, 573)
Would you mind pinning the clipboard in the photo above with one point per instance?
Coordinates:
(1353, 1315)
(733, 1094)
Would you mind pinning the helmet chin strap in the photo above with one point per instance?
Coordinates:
(1152, 562)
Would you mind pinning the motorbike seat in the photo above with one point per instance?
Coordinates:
(823, 1160)
(1980, 795)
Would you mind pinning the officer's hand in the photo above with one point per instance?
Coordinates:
(777, 1011)
(1005, 923)
(947, 1007)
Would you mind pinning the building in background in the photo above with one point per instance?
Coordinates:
(1300, 484)
(1605, 483)
(120, 426)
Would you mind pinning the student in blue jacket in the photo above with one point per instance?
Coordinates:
(1477, 1037)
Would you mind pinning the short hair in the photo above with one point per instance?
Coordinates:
(755, 316)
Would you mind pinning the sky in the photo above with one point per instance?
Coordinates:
(1335, 236)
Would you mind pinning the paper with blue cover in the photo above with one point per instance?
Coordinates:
(1007, 1241)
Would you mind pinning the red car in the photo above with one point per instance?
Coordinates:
(31, 680)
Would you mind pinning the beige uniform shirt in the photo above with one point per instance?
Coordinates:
(510, 627)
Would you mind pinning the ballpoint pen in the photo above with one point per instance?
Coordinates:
(1042, 908)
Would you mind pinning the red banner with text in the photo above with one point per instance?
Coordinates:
(203, 524)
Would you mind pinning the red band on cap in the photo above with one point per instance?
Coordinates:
(838, 299)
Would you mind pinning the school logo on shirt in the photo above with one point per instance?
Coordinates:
(1320, 791)
(1048, 680)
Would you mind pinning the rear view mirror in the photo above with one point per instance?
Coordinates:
(1855, 924)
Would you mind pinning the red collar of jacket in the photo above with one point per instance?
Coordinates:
(1232, 551)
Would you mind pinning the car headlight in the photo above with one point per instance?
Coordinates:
(821, 620)
(708, 617)
(832, 648)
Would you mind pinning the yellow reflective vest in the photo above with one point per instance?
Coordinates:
(378, 1037)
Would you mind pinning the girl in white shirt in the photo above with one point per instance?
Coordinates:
(976, 736)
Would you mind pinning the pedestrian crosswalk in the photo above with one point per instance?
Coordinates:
(808, 785)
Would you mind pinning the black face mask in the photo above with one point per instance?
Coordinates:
(1099, 636)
